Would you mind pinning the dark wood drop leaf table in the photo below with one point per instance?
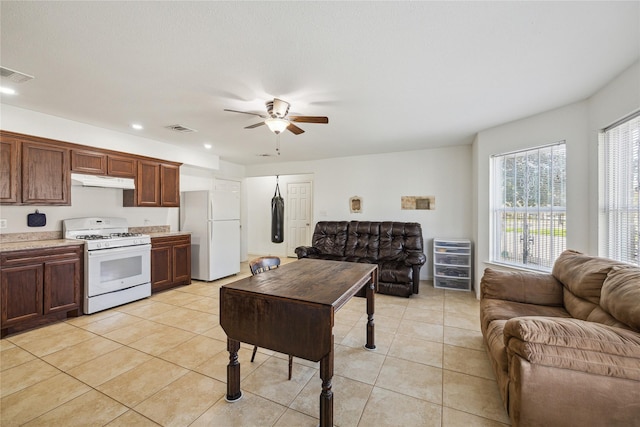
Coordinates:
(291, 310)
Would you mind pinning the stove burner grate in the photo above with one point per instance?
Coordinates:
(125, 234)
(92, 237)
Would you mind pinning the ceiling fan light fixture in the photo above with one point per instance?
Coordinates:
(277, 125)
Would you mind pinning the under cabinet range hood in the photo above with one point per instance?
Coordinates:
(102, 181)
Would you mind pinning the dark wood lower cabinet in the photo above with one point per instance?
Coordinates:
(39, 286)
(170, 261)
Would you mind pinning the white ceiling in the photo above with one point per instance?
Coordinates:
(391, 76)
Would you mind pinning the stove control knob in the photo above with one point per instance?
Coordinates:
(106, 245)
(99, 245)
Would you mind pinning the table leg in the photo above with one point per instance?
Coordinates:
(326, 396)
(371, 344)
(233, 372)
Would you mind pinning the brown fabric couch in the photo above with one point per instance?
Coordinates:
(397, 248)
(565, 346)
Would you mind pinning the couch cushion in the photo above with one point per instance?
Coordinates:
(394, 271)
(396, 238)
(363, 241)
(582, 276)
(521, 286)
(621, 295)
(575, 344)
(330, 237)
(599, 315)
(495, 309)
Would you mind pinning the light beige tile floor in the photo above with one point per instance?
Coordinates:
(162, 361)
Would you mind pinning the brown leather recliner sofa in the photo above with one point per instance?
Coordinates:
(565, 346)
(397, 248)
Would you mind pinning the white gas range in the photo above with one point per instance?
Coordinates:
(117, 264)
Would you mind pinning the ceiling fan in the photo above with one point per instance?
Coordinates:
(276, 118)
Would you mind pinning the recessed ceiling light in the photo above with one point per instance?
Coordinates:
(7, 90)
(137, 126)
(207, 146)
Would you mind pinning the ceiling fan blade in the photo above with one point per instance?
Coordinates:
(246, 112)
(254, 126)
(294, 129)
(309, 119)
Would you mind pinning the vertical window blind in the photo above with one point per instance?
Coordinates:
(529, 207)
(619, 190)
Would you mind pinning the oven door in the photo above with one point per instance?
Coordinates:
(109, 270)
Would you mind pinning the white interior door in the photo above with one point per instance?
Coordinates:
(299, 221)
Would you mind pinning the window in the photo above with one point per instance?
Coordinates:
(529, 207)
(619, 186)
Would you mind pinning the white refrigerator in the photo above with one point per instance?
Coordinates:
(213, 218)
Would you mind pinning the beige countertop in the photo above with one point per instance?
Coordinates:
(169, 233)
(38, 244)
(23, 241)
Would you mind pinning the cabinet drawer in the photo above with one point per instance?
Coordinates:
(30, 256)
(451, 259)
(449, 283)
(450, 271)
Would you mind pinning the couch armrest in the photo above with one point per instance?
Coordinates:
(521, 286)
(415, 258)
(574, 344)
(305, 251)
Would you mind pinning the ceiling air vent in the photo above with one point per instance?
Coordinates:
(14, 76)
(180, 128)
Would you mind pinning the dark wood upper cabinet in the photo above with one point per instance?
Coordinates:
(101, 163)
(157, 185)
(89, 162)
(45, 174)
(37, 171)
(169, 185)
(124, 167)
(9, 170)
(148, 184)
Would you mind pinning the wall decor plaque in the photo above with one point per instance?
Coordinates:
(355, 204)
(418, 202)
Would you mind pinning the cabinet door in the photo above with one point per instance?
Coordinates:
(9, 170)
(161, 267)
(148, 184)
(21, 293)
(182, 263)
(121, 166)
(45, 174)
(61, 286)
(89, 162)
(170, 185)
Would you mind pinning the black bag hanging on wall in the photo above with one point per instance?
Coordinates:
(277, 216)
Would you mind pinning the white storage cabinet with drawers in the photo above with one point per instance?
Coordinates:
(452, 264)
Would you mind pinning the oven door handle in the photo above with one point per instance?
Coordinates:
(113, 251)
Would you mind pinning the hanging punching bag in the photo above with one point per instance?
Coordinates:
(277, 216)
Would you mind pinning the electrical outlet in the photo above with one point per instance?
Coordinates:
(3, 223)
